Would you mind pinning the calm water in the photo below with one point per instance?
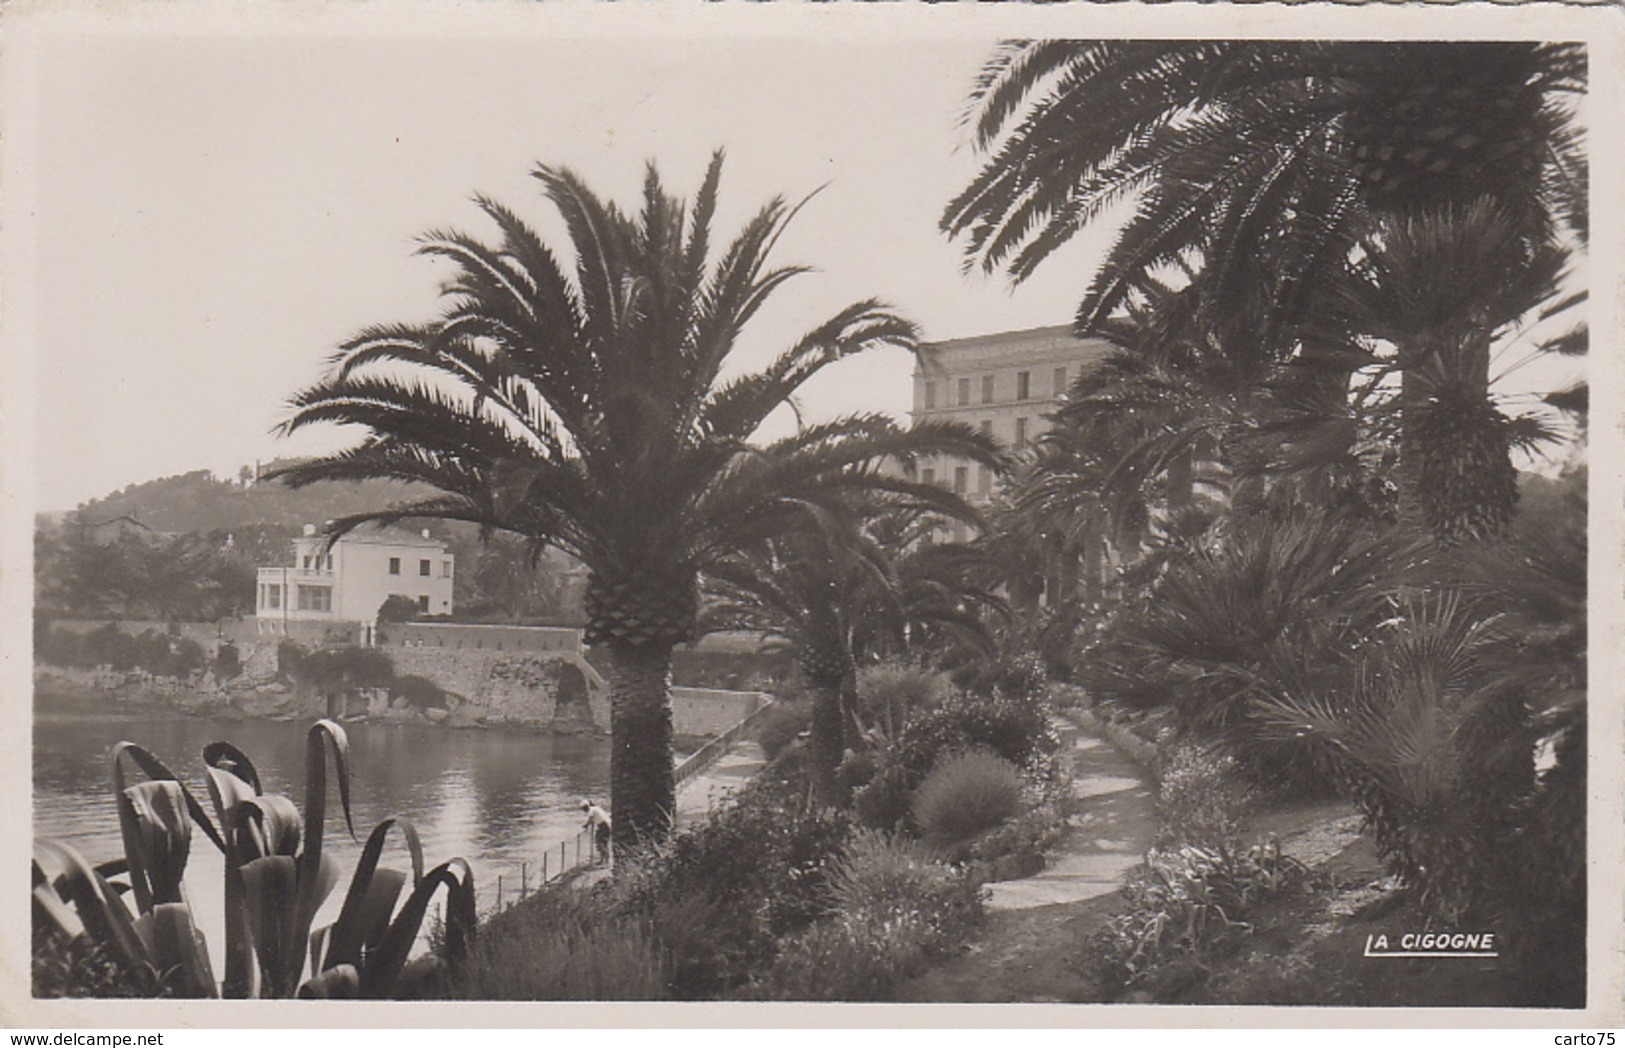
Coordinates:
(497, 798)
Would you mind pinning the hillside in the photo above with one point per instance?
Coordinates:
(197, 501)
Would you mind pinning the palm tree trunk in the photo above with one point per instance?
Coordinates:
(642, 794)
(1094, 555)
(828, 736)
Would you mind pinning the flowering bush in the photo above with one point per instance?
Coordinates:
(894, 909)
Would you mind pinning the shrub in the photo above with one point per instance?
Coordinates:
(895, 908)
(721, 896)
(420, 692)
(228, 663)
(533, 955)
(890, 692)
(1188, 901)
(965, 794)
(397, 608)
(1014, 728)
(1199, 796)
(779, 726)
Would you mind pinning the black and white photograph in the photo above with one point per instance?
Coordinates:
(1083, 508)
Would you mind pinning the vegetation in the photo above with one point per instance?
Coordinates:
(582, 408)
(1299, 459)
(151, 651)
(966, 794)
(87, 939)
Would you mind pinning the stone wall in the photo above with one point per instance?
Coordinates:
(710, 711)
(500, 687)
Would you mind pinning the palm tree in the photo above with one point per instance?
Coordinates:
(847, 584)
(582, 407)
(1259, 170)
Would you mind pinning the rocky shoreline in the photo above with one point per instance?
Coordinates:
(250, 698)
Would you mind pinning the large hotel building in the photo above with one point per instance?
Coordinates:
(1004, 384)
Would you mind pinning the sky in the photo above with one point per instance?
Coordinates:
(214, 215)
(212, 209)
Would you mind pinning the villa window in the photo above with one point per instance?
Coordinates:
(964, 392)
(961, 478)
(1021, 433)
(987, 427)
(423, 603)
(1060, 382)
(930, 395)
(273, 596)
(445, 569)
(314, 598)
(1023, 384)
(394, 565)
(987, 389)
(984, 480)
(307, 563)
(928, 475)
(423, 568)
(330, 562)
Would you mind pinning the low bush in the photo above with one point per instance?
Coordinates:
(421, 693)
(722, 895)
(1186, 902)
(1014, 728)
(1200, 796)
(895, 908)
(538, 953)
(888, 694)
(779, 726)
(965, 794)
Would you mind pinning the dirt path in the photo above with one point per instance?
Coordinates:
(1031, 946)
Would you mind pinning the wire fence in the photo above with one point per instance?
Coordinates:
(580, 851)
(701, 760)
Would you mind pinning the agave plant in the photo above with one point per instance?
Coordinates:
(276, 878)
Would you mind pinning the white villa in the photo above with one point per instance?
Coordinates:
(349, 579)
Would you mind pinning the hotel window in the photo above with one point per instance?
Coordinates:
(314, 598)
(987, 389)
(964, 392)
(423, 602)
(1023, 385)
(961, 477)
(423, 568)
(1060, 382)
(1021, 433)
(928, 475)
(984, 480)
(273, 596)
(307, 563)
(930, 395)
(445, 569)
(394, 565)
(987, 427)
(330, 562)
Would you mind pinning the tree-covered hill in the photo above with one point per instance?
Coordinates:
(198, 501)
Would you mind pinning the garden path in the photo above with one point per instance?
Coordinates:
(1032, 947)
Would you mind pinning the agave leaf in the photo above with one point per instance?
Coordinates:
(158, 770)
(370, 901)
(230, 793)
(385, 964)
(105, 917)
(49, 907)
(276, 823)
(270, 891)
(157, 839)
(340, 983)
(179, 951)
(313, 871)
(228, 758)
